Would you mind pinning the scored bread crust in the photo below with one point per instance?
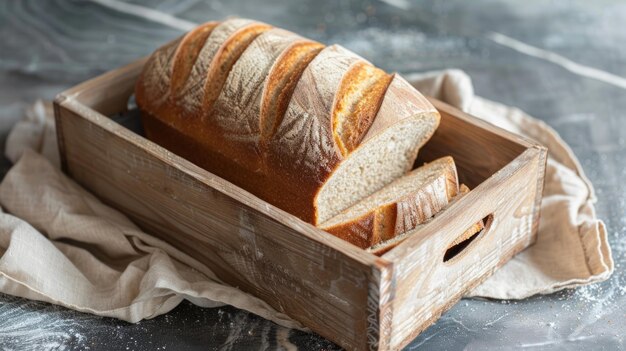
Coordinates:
(402, 213)
(355, 110)
(303, 149)
(153, 86)
(235, 118)
(231, 122)
(177, 100)
(277, 93)
(401, 99)
(186, 56)
(225, 58)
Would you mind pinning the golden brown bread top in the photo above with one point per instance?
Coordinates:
(285, 75)
(153, 86)
(189, 98)
(359, 98)
(225, 58)
(187, 53)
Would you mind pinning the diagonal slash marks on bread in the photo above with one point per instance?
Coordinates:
(186, 56)
(236, 114)
(309, 129)
(285, 74)
(360, 96)
(225, 58)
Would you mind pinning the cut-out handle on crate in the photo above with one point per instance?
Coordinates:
(462, 242)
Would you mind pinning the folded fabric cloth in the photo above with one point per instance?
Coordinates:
(572, 247)
(60, 244)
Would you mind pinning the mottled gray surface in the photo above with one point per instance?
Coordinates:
(47, 46)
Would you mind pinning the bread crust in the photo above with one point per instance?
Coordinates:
(303, 152)
(401, 101)
(358, 104)
(285, 73)
(187, 54)
(236, 114)
(153, 86)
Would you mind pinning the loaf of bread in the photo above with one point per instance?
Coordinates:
(308, 128)
(398, 207)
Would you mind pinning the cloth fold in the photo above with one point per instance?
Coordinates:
(60, 244)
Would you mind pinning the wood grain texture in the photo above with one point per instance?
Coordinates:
(477, 155)
(71, 46)
(424, 280)
(346, 294)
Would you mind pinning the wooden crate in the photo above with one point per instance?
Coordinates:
(352, 297)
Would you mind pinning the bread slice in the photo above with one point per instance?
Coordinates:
(399, 206)
(385, 246)
(403, 123)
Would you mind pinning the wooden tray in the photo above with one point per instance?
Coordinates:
(350, 296)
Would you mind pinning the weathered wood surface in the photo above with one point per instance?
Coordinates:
(425, 285)
(477, 155)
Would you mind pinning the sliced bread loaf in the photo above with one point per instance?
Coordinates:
(307, 129)
(399, 206)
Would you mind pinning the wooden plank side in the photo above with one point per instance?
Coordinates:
(425, 285)
(108, 93)
(479, 148)
(443, 107)
(308, 274)
(540, 178)
(380, 312)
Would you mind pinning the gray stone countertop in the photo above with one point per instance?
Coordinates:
(48, 46)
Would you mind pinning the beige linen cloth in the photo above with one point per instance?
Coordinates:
(60, 244)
